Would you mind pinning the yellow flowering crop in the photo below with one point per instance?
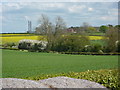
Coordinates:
(14, 34)
(96, 37)
(16, 39)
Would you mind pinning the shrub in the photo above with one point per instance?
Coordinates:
(32, 45)
(113, 36)
(23, 46)
(107, 49)
(9, 45)
(103, 28)
(87, 48)
(117, 46)
(96, 47)
(70, 43)
(108, 77)
(36, 47)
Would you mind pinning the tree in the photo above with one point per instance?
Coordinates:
(60, 23)
(85, 26)
(103, 28)
(117, 27)
(45, 28)
(60, 27)
(52, 31)
(96, 47)
(92, 29)
(109, 25)
(112, 35)
(71, 43)
(45, 24)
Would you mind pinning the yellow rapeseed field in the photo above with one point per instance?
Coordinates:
(16, 39)
(14, 35)
(96, 37)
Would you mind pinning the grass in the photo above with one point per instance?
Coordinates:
(101, 42)
(36, 66)
(21, 64)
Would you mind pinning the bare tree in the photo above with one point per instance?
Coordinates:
(45, 24)
(59, 29)
(52, 32)
(86, 26)
(45, 28)
(113, 37)
(60, 26)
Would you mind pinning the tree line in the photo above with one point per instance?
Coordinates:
(59, 40)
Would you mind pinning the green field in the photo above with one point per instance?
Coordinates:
(100, 42)
(21, 64)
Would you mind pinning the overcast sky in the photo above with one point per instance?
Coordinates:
(14, 15)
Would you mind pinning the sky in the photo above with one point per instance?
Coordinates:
(14, 15)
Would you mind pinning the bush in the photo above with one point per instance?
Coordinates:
(32, 45)
(9, 45)
(118, 46)
(107, 49)
(113, 36)
(70, 43)
(87, 48)
(24, 46)
(93, 48)
(108, 77)
(103, 28)
(96, 47)
(36, 47)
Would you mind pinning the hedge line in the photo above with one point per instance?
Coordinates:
(89, 53)
(75, 53)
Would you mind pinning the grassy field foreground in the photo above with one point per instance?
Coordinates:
(21, 64)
